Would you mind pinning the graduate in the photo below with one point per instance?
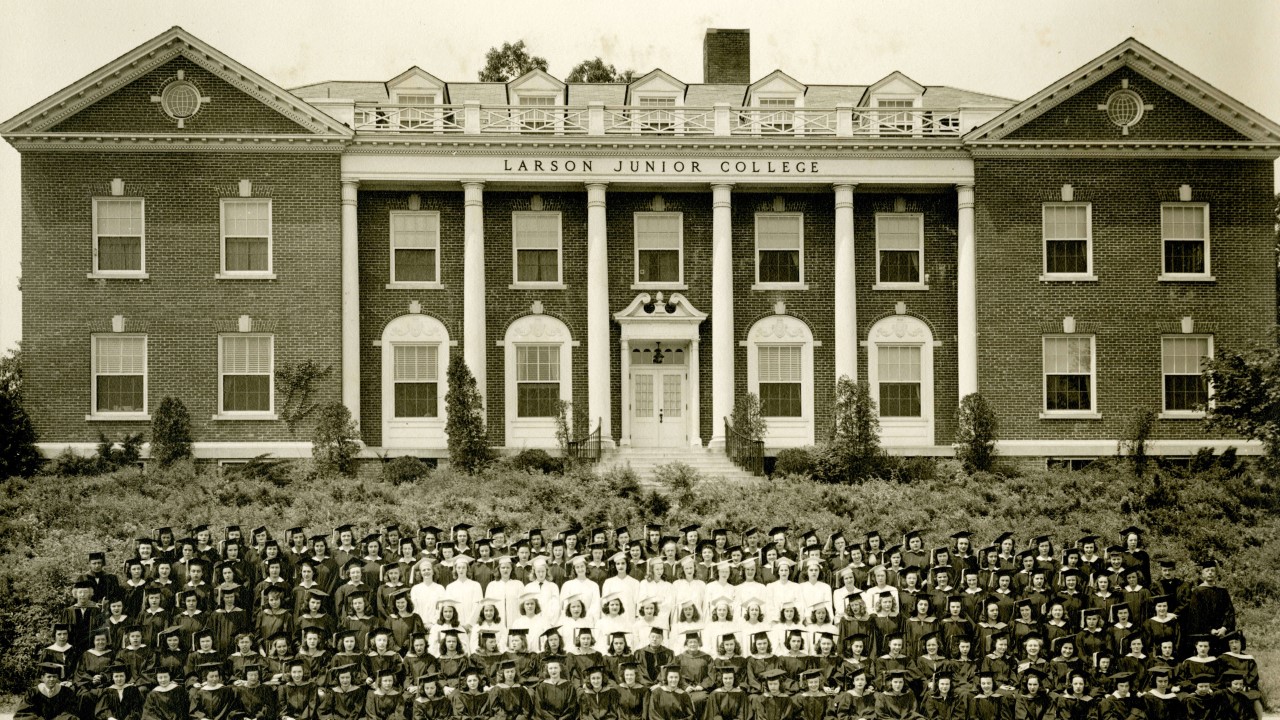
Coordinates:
(669, 700)
(653, 657)
(507, 699)
(452, 659)
(944, 703)
(988, 703)
(167, 700)
(633, 696)
(727, 701)
(695, 669)
(1160, 702)
(211, 700)
(344, 700)
(554, 698)
(257, 701)
(895, 701)
(121, 700)
(1209, 610)
(384, 701)
(52, 698)
(1074, 701)
(596, 700)
(430, 702)
(1034, 701)
(814, 702)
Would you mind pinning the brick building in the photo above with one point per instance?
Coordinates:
(646, 251)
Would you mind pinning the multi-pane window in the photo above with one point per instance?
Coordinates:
(897, 116)
(537, 380)
(1067, 235)
(658, 247)
(120, 374)
(536, 242)
(898, 370)
(245, 373)
(653, 116)
(779, 248)
(246, 235)
(537, 119)
(118, 230)
(779, 376)
(1068, 374)
(899, 248)
(417, 383)
(777, 114)
(1185, 388)
(1184, 232)
(415, 247)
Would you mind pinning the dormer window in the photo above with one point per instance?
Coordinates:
(777, 114)
(537, 119)
(896, 100)
(415, 96)
(653, 117)
(774, 102)
(898, 117)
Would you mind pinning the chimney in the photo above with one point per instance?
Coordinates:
(726, 56)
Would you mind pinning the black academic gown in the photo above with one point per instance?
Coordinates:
(633, 701)
(668, 704)
(1033, 707)
(388, 706)
(811, 705)
(724, 704)
(509, 702)
(169, 703)
(119, 703)
(431, 708)
(218, 703)
(257, 702)
(62, 704)
(555, 701)
(300, 701)
(897, 706)
(951, 707)
(598, 704)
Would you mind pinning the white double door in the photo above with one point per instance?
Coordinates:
(659, 406)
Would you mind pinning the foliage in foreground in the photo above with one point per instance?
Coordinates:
(18, 453)
(1246, 394)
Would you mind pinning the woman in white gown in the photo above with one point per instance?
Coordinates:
(426, 593)
(688, 588)
(574, 617)
(720, 587)
(615, 619)
(720, 622)
(582, 586)
(654, 585)
(789, 619)
(548, 592)
(752, 620)
(813, 590)
(649, 616)
(489, 619)
(464, 591)
(688, 619)
(621, 584)
(783, 590)
(531, 617)
(751, 587)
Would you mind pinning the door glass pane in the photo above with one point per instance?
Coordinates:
(672, 396)
(642, 400)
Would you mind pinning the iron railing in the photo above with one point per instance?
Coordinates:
(746, 453)
(585, 448)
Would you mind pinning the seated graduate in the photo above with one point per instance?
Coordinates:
(121, 700)
(814, 702)
(895, 701)
(1161, 702)
(167, 700)
(384, 701)
(211, 700)
(343, 700)
(257, 701)
(596, 699)
(988, 703)
(728, 701)
(52, 698)
(507, 699)
(1074, 700)
(944, 701)
(555, 696)
(633, 696)
(1034, 700)
(668, 700)
(430, 701)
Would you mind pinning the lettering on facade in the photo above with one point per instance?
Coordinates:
(662, 167)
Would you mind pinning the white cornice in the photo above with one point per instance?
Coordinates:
(589, 147)
(111, 142)
(1037, 148)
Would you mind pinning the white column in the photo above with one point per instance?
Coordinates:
(599, 389)
(721, 311)
(846, 297)
(473, 333)
(350, 300)
(966, 296)
(695, 407)
(624, 439)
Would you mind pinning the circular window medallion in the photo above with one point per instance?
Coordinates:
(180, 99)
(1124, 108)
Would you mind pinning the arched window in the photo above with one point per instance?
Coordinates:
(415, 358)
(900, 372)
(780, 372)
(538, 352)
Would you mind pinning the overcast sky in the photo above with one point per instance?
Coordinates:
(1012, 49)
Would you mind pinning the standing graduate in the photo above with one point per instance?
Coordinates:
(1209, 610)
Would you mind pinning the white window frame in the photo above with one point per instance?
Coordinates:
(1207, 275)
(766, 104)
(761, 285)
(1165, 412)
(1088, 274)
(224, 274)
(785, 330)
(419, 432)
(658, 102)
(638, 284)
(270, 412)
(94, 412)
(551, 117)
(919, 348)
(899, 331)
(923, 282)
(392, 283)
(528, 330)
(141, 272)
(516, 282)
(1090, 414)
(882, 121)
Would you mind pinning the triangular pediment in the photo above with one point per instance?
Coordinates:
(534, 81)
(658, 82)
(895, 83)
(776, 82)
(132, 79)
(1157, 80)
(415, 80)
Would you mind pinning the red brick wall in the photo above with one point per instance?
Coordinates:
(1171, 117)
(181, 307)
(1127, 306)
(130, 109)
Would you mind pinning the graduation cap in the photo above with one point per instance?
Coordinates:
(459, 527)
(518, 632)
(692, 635)
(425, 678)
(1033, 670)
(429, 530)
(84, 585)
(1160, 671)
(197, 529)
(1206, 563)
(659, 631)
(770, 674)
(690, 528)
(97, 555)
(345, 527)
(319, 537)
(720, 532)
(807, 675)
(751, 532)
(206, 668)
(896, 673)
(1088, 539)
(778, 530)
(1202, 679)
(653, 527)
(534, 532)
(48, 668)
(558, 659)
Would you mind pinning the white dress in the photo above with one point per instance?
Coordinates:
(814, 593)
(507, 594)
(587, 589)
(548, 597)
(468, 594)
(426, 601)
(627, 588)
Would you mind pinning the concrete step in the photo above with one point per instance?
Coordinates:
(710, 464)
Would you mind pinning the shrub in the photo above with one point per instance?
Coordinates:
(537, 461)
(404, 470)
(263, 467)
(746, 418)
(1246, 395)
(1134, 442)
(469, 448)
(170, 432)
(976, 426)
(68, 463)
(622, 482)
(796, 461)
(680, 480)
(116, 454)
(854, 452)
(18, 454)
(334, 444)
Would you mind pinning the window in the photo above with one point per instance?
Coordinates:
(120, 374)
(537, 380)
(777, 114)
(118, 231)
(899, 250)
(245, 370)
(898, 118)
(780, 373)
(416, 378)
(246, 236)
(536, 118)
(653, 117)
(898, 374)
(659, 247)
(1185, 389)
(536, 243)
(423, 113)
(1184, 231)
(779, 248)
(415, 247)
(1069, 374)
(1067, 237)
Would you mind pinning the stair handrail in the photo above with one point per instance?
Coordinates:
(747, 453)
(587, 447)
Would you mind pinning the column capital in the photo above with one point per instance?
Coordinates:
(720, 194)
(349, 191)
(844, 195)
(473, 192)
(595, 193)
(964, 194)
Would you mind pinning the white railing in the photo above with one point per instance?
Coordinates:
(599, 120)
